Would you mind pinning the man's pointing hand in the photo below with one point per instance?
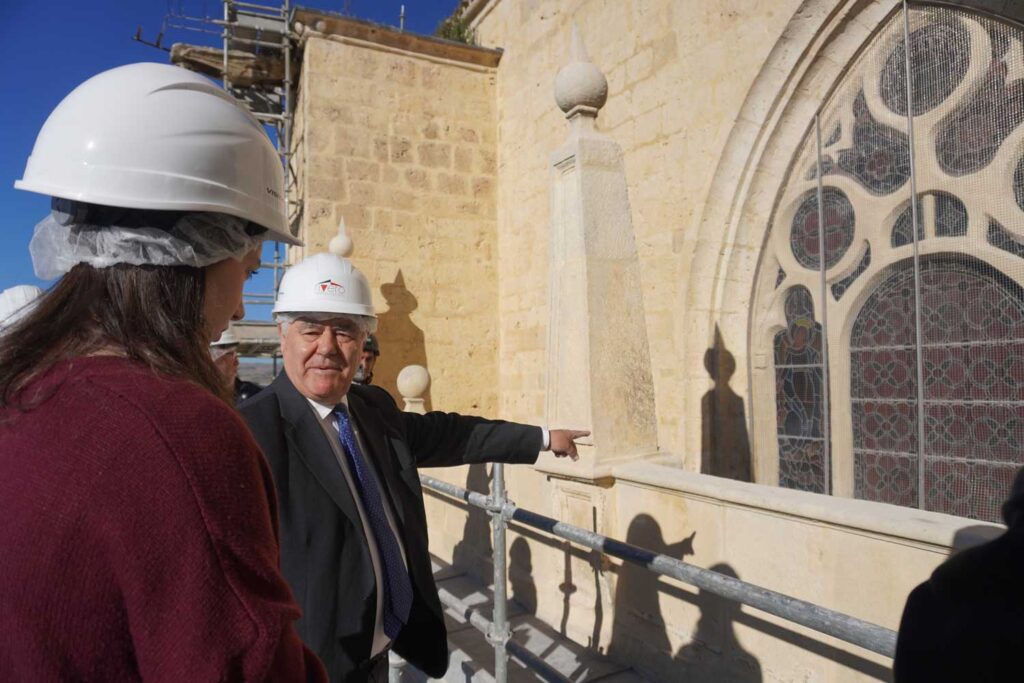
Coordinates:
(563, 442)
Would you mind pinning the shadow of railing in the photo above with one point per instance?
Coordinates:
(727, 590)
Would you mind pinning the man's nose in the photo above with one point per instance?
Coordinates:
(326, 343)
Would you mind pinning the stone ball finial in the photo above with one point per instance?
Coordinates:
(580, 87)
(413, 381)
(341, 244)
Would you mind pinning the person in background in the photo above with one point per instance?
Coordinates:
(16, 302)
(344, 458)
(368, 359)
(138, 537)
(225, 356)
(965, 622)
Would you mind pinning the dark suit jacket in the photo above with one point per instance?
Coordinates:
(966, 623)
(324, 552)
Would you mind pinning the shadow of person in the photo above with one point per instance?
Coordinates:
(715, 654)
(520, 574)
(473, 553)
(401, 341)
(639, 636)
(725, 445)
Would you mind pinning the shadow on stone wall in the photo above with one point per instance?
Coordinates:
(715, 654)
(566, 588)
(639, 635)
(520, 575)
(473, 553)
(597, 566)
(639, 627)
(725, 444)
(866, 668)
(401, 341)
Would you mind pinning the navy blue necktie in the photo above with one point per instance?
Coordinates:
(397, 598)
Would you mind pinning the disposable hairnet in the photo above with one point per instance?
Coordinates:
(160, 238)
(367, 324)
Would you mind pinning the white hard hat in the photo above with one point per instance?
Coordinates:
(324, 283)
(156, 136)
(15, 302)
(227, 338)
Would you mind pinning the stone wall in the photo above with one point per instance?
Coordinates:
(400, 144)
(676, 80)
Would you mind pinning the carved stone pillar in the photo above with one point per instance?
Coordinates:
(598, 362)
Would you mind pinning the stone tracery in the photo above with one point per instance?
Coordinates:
(967, 75)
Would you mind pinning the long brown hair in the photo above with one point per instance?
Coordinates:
(151, 314)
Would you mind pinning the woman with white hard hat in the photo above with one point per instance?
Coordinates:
(138, 540)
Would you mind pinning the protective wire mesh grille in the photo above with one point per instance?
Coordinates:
(927, 407)
(799, 399)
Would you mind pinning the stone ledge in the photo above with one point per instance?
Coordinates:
(331, 24)
(916, 526)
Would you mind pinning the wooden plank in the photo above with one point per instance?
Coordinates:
(337, 25)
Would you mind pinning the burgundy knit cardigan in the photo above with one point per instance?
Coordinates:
(138, 536)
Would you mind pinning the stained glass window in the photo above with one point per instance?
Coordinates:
(972, 347)
(1018, 183)
(879, 158)
(970, 137)
(949, 216)
(839, 219)
(839, 288)
(799, 401)
(998, 236)
(903, 230)
(938, 62)
(951, 441)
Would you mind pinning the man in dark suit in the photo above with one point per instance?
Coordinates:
(966, 623)
(344, 460)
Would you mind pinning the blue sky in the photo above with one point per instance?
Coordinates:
(48, 48)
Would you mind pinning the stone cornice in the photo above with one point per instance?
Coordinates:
(331, 24)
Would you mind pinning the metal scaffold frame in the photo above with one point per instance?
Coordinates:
(256, 41)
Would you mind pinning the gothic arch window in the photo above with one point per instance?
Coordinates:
(896, 272)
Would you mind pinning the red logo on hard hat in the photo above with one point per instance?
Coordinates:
(330, 287)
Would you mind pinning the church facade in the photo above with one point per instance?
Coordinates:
(827, 208)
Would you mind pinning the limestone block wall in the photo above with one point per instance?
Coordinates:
(400, 144)
(678, 73)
